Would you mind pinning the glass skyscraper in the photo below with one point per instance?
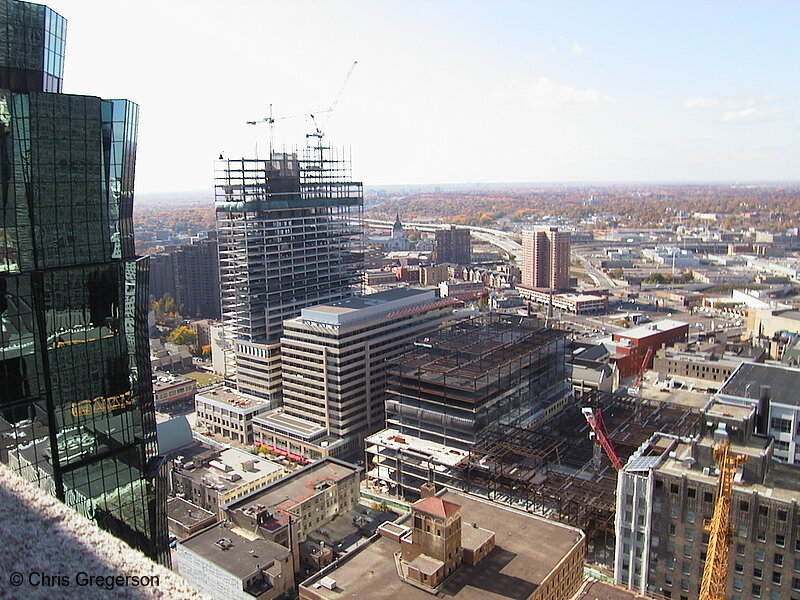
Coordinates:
(76, 402)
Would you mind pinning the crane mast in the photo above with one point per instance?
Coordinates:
(715, 571)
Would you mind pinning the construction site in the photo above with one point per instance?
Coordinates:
(458, 381)
(557, 468)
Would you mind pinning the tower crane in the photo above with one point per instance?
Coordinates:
(594, 416)
(318, 132)
(270, 120)
(718, 527)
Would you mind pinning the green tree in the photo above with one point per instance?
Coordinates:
(183, 336)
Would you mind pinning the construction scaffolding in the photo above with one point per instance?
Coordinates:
(460, 380)
(290, 235)
(550, 470)
(473, 360)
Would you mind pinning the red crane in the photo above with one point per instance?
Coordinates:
(594, 416)
(637, 383)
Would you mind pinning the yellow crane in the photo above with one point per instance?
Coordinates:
(715, 571)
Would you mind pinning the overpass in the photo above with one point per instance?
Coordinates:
(496, 237)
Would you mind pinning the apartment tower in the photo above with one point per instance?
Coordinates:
(545, 258)
(76, 402)
(453, 246)
(289, 231)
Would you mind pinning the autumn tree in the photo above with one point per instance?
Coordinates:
(182, 336)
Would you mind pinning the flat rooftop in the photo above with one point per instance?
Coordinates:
(723, 360)
(794, 315)
(290, 425)
(581, 297)
(781, 483)
(644, 331)
(748, 380)
(571, 296)
(234, 461)
(298, 486)
(732, 411)
(359, 308)
(392, 438)
(232, 398)
(513, 569)
(221, 545)
(186, 513)
(165, 381)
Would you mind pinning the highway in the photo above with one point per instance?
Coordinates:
(600, 279)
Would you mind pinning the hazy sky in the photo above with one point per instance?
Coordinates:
(453, 92)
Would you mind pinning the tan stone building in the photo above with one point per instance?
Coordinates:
(445, 549)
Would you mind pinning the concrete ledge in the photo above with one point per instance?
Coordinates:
(49, 551)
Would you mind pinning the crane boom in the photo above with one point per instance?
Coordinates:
(594, 416)
(643, 367)
(715, 571)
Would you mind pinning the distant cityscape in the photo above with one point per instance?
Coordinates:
(296, 386)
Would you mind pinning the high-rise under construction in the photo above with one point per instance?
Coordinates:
(289, 233)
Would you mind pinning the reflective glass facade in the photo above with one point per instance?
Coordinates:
(31, 47)
(76, 403)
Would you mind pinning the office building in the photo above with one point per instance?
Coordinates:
(461, 290)
(74, 368)
(446, 393)
(210, 477)
(76, 401)
(185, 518)
(453, 246)
(171, 390)
(545, 258)
(772, 390)
(632, 345)
(288, 232)
(228, 414)
(577, 304)
(667, 490)
(334, 360)
(433, 274)
(460, 380)
(714, 365)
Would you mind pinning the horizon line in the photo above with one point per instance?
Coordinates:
(609, 182)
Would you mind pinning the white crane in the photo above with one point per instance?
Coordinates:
(318, 131)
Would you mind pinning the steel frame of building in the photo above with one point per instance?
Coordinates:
(549, 469)
(290, 234)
